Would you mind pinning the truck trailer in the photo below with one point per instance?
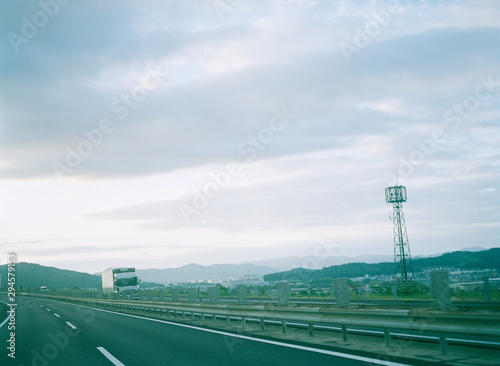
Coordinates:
(119, 280)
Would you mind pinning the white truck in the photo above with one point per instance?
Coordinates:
(119, 280)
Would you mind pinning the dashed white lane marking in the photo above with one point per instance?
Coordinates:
(47, 309)
(57, 315)
(110, 357)
(71, 325)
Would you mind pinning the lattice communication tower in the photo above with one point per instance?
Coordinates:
(403, 266)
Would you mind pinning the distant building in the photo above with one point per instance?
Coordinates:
(249, 280)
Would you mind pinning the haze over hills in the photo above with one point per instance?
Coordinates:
(486, 259)
(29, 275)
(288, 263)
(196, 272)
(321, 260)
(473, 249)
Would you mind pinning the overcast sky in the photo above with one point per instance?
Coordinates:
(161, 133)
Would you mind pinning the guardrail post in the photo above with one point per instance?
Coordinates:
(311, 329)
(387, 337)
(443, 344)
(344, 332)
(283, 325)
(243, 322)
(228, 320)
(215, 318)
(202, 317)
(262, 324)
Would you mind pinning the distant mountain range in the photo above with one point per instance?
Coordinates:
(29, 275)
(195, 272)
(486, 259)
(288, 263)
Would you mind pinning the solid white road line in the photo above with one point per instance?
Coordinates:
(71, 325)
(57, 315)
(110, 357)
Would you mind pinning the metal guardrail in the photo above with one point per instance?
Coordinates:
(413, 303)
(423, 322)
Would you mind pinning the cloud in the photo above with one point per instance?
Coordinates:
(181, 88)
(191, 124)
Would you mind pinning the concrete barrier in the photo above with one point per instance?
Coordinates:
(283, 289)
(174, 292)
(192, 293)
(213, 295)
(161, 295)
(441, 292)
(341, 291)
(241, 291)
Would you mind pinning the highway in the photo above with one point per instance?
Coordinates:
(49, 332)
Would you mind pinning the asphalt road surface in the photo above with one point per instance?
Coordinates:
(49, 332)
